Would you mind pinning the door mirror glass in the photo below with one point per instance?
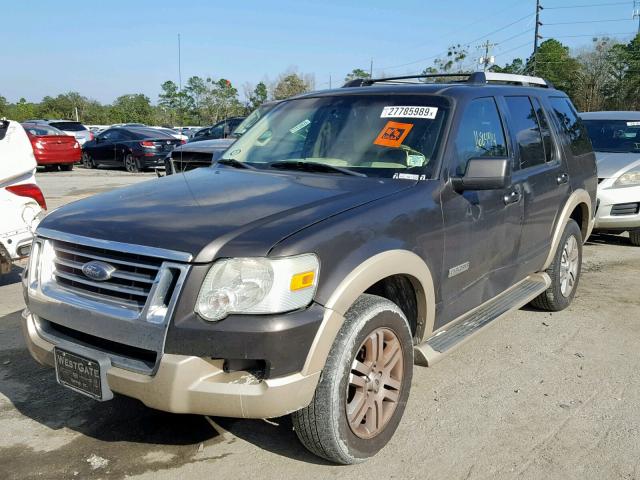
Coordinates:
(484, 174)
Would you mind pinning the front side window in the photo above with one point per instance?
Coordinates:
(374, 135)
(524, 123)
(571, 125)
(614, 136)
(480, 133)
(549, 150)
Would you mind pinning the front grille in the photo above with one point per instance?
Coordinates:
(185, 161)
(625, 209)
(129, 284)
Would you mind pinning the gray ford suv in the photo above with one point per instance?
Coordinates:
(348, 235)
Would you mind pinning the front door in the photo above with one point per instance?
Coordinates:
(482, 228)
(103, 151)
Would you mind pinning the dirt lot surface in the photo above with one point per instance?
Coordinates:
(538, 395)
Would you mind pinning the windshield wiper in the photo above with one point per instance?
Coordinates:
(235, 163)
(313, 167)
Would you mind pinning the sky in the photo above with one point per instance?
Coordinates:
(107, 49)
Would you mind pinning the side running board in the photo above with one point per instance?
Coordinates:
(457, 332)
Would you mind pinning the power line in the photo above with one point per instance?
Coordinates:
(588, 6)
(588, 21)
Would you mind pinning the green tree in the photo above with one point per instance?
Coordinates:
(4, 107)
(194, 95)
(516, 66)
(454, 60)
(134, 107)
(258, 96)
(289, 85)
(357, 73)
(24, 110)
(554, 62)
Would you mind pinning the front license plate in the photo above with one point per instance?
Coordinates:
(78, 373)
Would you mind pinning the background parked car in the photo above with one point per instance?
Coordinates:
(21, 201)
(75, 129)
(220, 130)
(203, 153)
(52, 147)
(134, 148)
(616, 141)
(173, 133)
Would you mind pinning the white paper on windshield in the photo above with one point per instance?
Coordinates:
(633, 124)
(405, 111)
(300, 126)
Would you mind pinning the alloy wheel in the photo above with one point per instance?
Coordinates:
(375, 382)
(569, 264)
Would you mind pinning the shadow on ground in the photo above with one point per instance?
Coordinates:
(14, 276)
(609, 239)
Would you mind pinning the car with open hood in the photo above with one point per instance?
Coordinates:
(347, 235)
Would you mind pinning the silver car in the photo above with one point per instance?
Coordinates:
(616, 141)
(70, 127)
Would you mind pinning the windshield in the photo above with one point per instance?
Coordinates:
(389, 136)
(619, 136)
(251, 120)
(68, 126)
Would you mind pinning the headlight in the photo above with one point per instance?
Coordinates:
(628, 179)
(257, 285)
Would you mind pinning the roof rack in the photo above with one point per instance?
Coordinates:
(475, 78)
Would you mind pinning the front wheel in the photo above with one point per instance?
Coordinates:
(564, 271)
(634, 236)
(364, 386)
(131, 164)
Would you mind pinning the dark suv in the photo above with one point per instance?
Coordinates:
(347, 235)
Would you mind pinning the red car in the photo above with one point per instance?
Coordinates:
(53, 147)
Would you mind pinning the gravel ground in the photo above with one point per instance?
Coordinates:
(537, 395)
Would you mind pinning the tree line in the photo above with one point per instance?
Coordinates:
(604, 75)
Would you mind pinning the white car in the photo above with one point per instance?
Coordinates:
(22, 203)
(616, 140)
(173, 133)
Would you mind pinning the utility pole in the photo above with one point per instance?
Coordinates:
(636, 12)
(371, 69)
(487, 60)
(179, 81)
(537, 35)
(329, 81)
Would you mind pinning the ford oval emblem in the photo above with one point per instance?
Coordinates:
(99, 271)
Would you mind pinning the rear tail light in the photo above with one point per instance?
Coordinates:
(183, 141)
(91, 136)
(38, 145)
(148, 144)
(30, 190)
(77, 145)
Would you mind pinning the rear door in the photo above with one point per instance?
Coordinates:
(482, 230)
(540, 171)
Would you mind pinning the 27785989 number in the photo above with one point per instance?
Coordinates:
(403, 111)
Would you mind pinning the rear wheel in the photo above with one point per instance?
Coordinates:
(364, 386)
(131, 164)
(88, 161)
(66, 167)
(564, 271)
(634, 236)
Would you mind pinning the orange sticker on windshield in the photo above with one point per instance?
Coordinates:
(393, 134)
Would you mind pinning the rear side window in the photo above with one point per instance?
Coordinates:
(69, 126)
(524, 124)
(571, 125)
(549, 150)
(480, 133)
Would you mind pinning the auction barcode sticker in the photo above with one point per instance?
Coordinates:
(404, 111)
(633, 124)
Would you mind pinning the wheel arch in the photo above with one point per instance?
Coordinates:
(384, 266)
(577, 207)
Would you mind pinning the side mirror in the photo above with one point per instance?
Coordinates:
(484, 174)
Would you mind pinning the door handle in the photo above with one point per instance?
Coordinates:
(513, 196)
(562, 178)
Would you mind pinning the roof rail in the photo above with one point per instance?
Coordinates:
(476, 78)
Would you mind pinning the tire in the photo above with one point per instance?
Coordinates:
(88, 161)
(564, 271)
(634, 237)
(131, 164)
(323, 426)
(66, 167)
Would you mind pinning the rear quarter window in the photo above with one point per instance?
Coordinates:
(571, 125)
(68, 126)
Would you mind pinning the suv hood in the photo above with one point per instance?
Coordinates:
(217, 212)
(615, 164)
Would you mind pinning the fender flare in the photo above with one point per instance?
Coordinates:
(578, 197)
(372, 270)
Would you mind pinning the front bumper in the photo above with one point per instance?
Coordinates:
(607, 198)
(188, 384)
